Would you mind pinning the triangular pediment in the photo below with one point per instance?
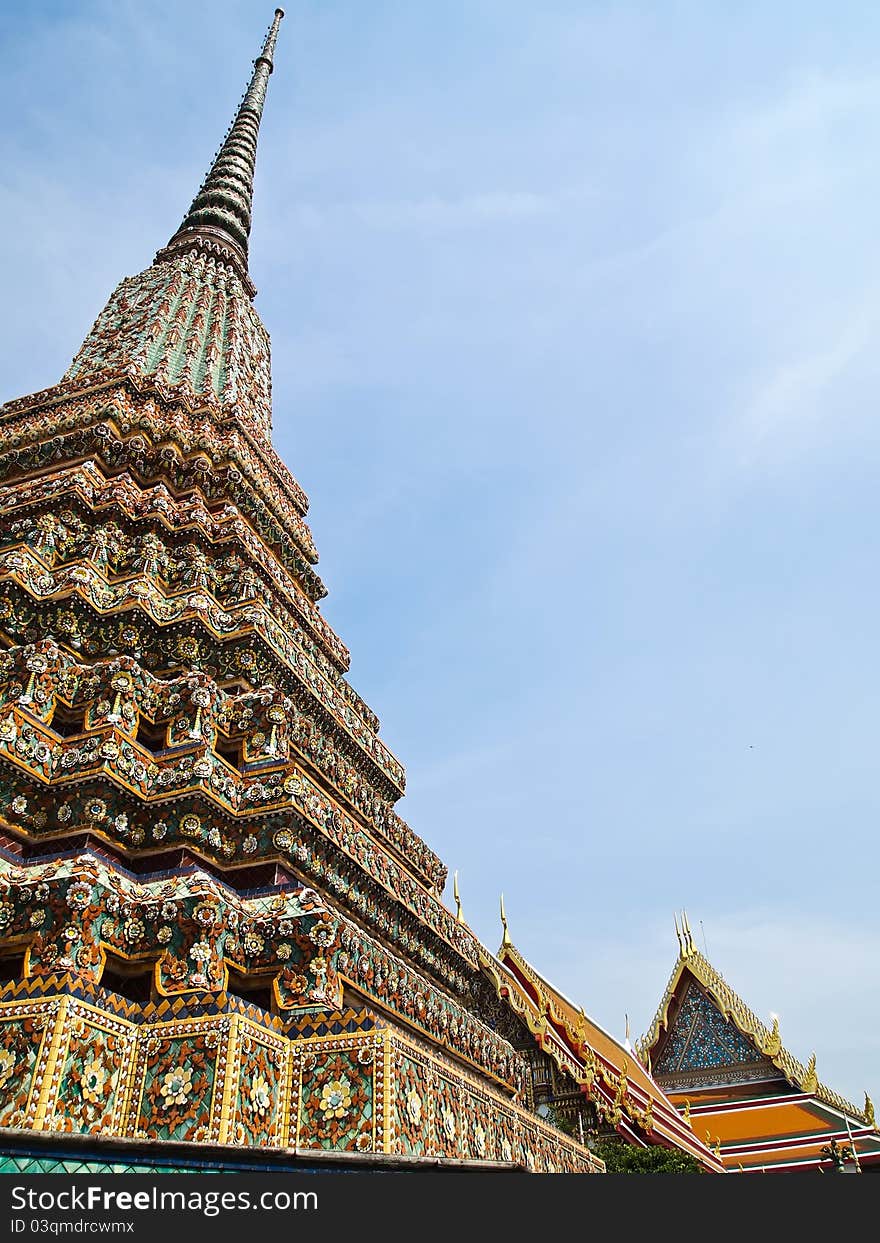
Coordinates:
(701, 1038)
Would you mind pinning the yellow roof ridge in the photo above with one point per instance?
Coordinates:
(542, 983)
(587, 1067)
(732, 1006)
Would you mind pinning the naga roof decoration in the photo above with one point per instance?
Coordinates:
(625, 1095)
(731, 1074)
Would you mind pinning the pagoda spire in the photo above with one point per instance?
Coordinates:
(219, 218)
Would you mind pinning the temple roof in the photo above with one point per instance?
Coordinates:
(778, 1132)
(733, 1080)
(625, 1095)
(766, 1041)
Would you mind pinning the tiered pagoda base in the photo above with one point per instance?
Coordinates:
(206, 1066)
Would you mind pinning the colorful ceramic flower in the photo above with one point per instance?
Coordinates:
(336, 1098)
(7, 1066)
(92, 1083)
(176, 1086)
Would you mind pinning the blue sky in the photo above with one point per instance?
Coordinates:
(574, 311)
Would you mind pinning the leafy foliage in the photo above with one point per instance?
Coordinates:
(623, 1158)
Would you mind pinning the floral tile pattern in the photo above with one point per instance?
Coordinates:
(22, 1038)
(336, 1105)
(178, 1081)
(92, 1077)
(259, 1104)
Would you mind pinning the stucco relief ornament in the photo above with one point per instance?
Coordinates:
(448, 1119)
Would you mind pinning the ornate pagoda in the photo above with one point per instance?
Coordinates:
(732, 1078)
(219, 943)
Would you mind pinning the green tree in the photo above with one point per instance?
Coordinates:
(623, 1158)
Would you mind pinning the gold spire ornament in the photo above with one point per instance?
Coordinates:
(869, 1111)
(686, 1112)
(810, 1081)
(687, 936)
(772, 1045)
(505, 940)
(457, 896)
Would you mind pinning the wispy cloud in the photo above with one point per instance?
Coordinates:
(797, 395)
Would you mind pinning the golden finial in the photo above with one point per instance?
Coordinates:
(773, 1043)
(589, 1074)
(678, 934)
(869, 1111)
(505, 940)
(456, 896)
(810, 1081)
(687, 935)
(626, 1041)
(622, 1085)
(686, 1112)
(717, 1148)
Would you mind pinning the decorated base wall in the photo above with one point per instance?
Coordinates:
(72, 1060)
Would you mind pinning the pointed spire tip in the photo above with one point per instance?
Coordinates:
(219, 218)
